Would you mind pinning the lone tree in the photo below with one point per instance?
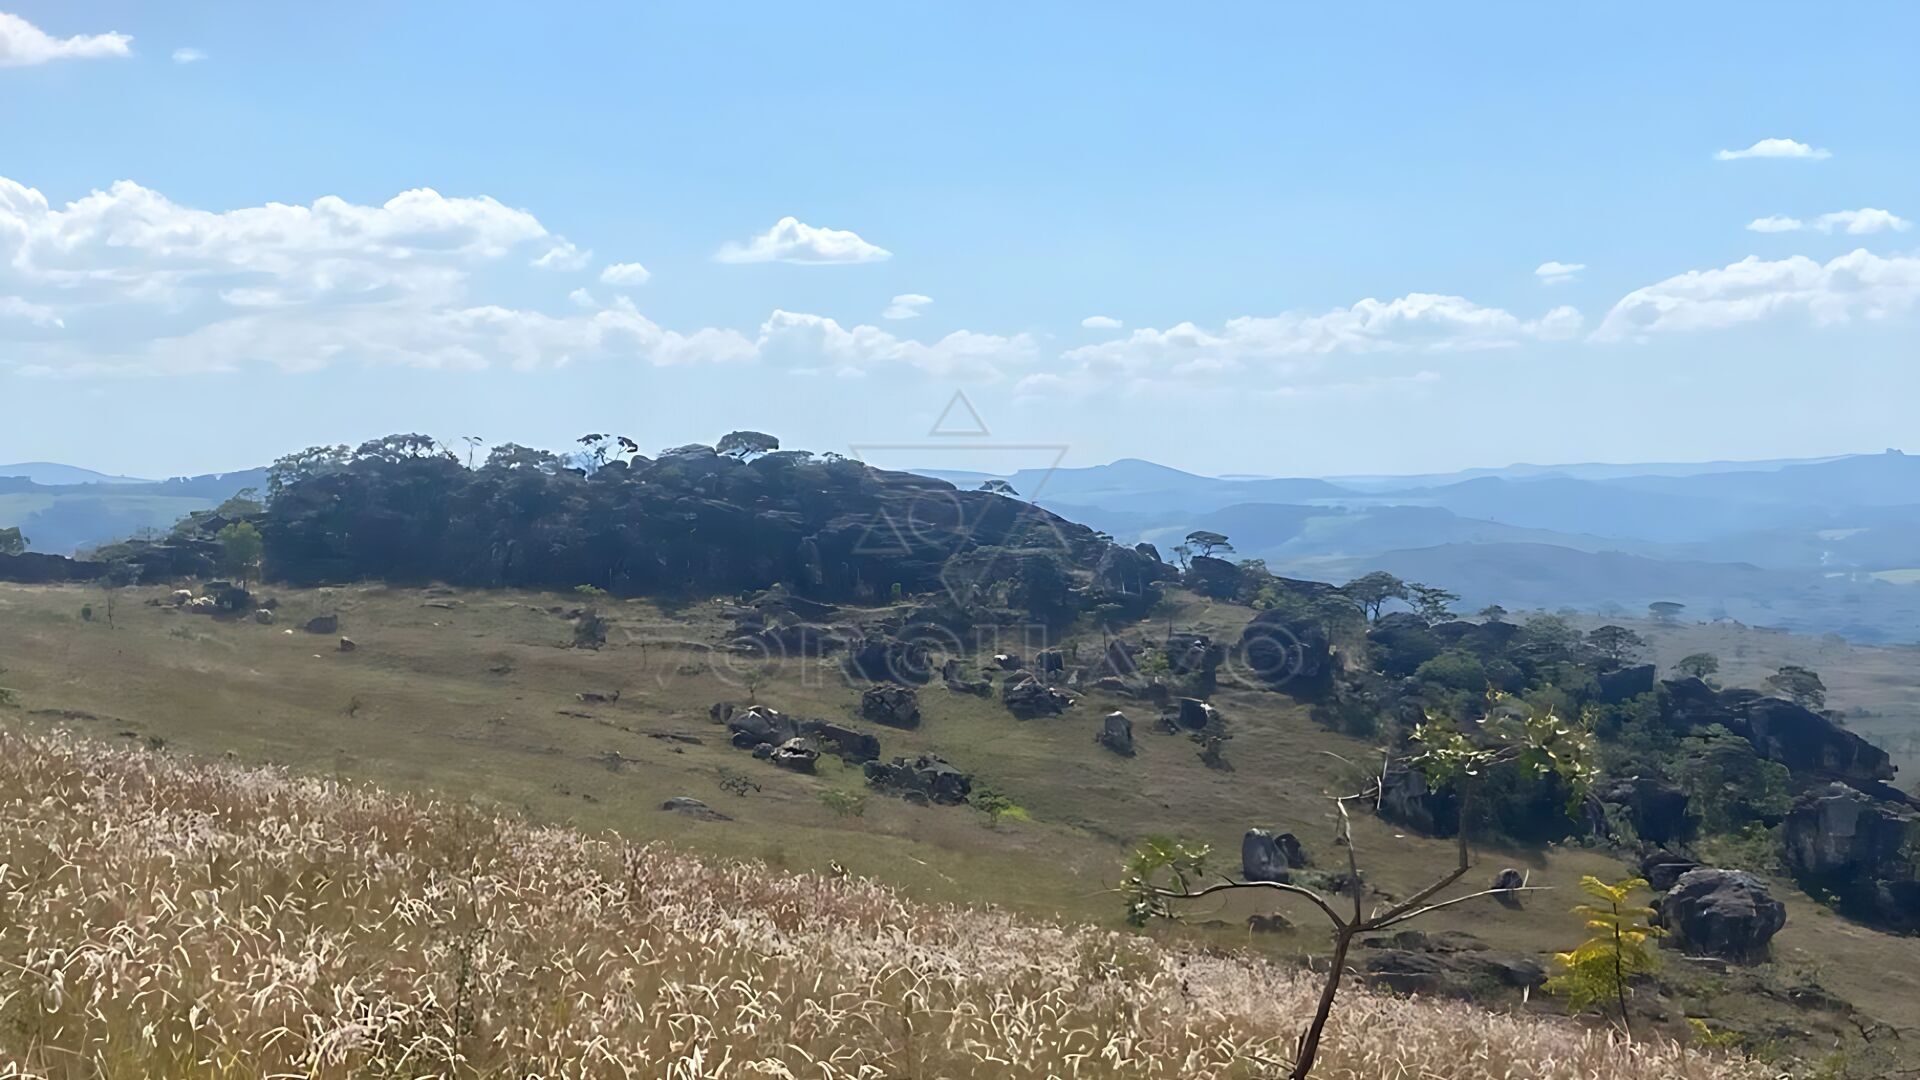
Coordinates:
(1700, 665)
(1493, 613)
(1433, 603)
(1372, 591)
(1616, 643)
(1206, 543)
(1165, 872)
(998, 487)
(1665, 611)
(1601, 968)
(240, 548)
(11, 542)
(1800, 684)
(746, 445)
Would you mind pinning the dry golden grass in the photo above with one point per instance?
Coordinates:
(163, 918)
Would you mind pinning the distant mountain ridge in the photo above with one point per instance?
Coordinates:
(54, 474)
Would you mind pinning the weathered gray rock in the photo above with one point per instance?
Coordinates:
(1261, 858)
(1658, 810)
(1116, 733)
(892, 705)
(323, 624)
(1197, 715)
(849, 744)
(795, 754)
(1405, 797)
(1028, 697)
(956, 680)
(1838, 831)
(1507, 881)
(1725, 913)
(263, 616)
(925, 779)
(347, 644)
(693, 808)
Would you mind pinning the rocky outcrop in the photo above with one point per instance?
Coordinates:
(892, 705)
(925, 779)
(848, 744)
(795, 754)
(1663, 869)
(1797, 737)
(883, 658)
(1839, 840)
(1657, 809)
(1406, 797)
(1192, 714)
(1614, 687)
(1728, 914)
(954, 677)
(1028, 697)
(322, 624)
(1283, 652)
(1214, 578)
(1116, 734)
(1447, 964)
(687, 806)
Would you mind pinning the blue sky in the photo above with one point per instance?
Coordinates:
(1319, 230)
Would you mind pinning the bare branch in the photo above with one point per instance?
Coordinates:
(1231, 884)
(1391, 920)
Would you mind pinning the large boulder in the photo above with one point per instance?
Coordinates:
(1214, 578)
(1663, 869)
(925, 779)
(882, 658)
(1261, 858)
(955, 678)
(795, 754)
(1657, 809)
(1283, 651)
(892, 705)
(1406, 797)
(1192, 714)
(322, 624)
(1725, 913)
(1116, 733)
(1028, 697)
(1836, 831)
(849, 744)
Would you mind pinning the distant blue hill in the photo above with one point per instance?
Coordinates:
(53, 474)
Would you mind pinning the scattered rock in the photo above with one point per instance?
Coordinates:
(892, 705)
(590, 697)
(955, 679)
(263, 616)
(795, 754)
(1725, 913)
(881, 658)
(1196, 715)
(849, 744)
(1275, 923)
(1028, 697)
(1050, 661)
(693, 808)
(1116, 734)
(1507, 881)
(323, 624)
(926, 778)
(347, 644)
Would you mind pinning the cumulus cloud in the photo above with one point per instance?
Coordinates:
(17, 308)
(906, 306)
(817, 344)
(563, 255)
(583, 298)
(625, 274)
(1296, 345)
(1859, 284)
(188, 55)
(23, 44)
(1775, 148)
(1101, 322)
(1553, 273)
(1862, 222)
(793, 241)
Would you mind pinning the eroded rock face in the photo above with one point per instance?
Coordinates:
(1405, 797)
(925, 779)
(1116, 733)
(1725, 913)
(1285, 653)
(1657, 809)
(1840, 840)
(892, 705)
(1781, 731)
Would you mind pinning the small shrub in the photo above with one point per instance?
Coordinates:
(845, 803)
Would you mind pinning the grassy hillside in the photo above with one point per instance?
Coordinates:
(472, 695)
(168, 919)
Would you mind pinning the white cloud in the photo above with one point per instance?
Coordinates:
(23, 44)
(1774, 148)
(794, 241)
(1859, 284)
(815, 343)
(188, 55)
(14, 307)
(625, 274)
(1101, 322)
(1553, 273)
(906, 306)
(563, 255)
(582, 298)
(1862, 222)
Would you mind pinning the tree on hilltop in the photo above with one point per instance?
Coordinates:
(1206, 543)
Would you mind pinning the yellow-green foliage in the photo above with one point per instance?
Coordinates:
(1601, 968)
(164, 919)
